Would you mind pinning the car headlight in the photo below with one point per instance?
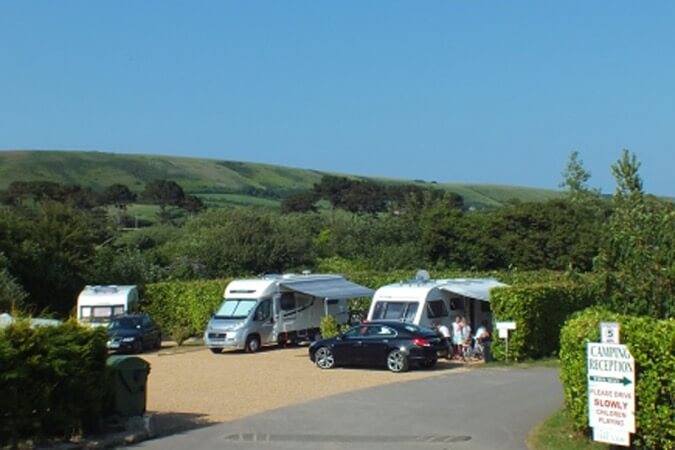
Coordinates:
(128, 339)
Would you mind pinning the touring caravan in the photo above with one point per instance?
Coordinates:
(96, 305)
(279, 309)
(428, 302)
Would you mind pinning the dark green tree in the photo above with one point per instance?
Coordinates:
(299, 202)
(164, 193)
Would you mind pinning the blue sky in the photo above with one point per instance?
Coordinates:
(449, 91)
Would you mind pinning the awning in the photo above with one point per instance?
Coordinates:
(477, 288)
(330, 288)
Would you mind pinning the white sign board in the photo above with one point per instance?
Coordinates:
(611, 392)
(504, 327)
(609, 332)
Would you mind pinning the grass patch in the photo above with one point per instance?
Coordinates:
(557, 432)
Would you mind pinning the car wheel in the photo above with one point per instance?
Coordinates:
(397, 361)
(216, 350)
(137, 347)
(324, 358)
(252, 344)
(158, 343)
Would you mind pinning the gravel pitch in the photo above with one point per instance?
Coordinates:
(194, 387)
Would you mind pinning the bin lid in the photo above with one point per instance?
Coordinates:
(122, 362)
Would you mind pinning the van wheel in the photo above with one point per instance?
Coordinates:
(216, 351)
(252, 344)
(397, 361)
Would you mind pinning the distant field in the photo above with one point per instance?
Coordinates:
(217, 182)
(237, 200)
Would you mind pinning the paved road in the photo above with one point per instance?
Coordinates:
(488, 408)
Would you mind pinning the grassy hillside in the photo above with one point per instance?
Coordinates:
(218, 182)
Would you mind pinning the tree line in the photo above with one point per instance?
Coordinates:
(50, 248)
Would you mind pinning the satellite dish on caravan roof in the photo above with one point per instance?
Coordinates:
(422, 275)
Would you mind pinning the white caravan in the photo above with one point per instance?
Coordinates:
(279, 309)
(96, 305)
(427, 302)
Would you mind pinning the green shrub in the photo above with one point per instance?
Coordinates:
(183, 307)
(539, 310)
(652, 344)
(53, 380)
(329, 327)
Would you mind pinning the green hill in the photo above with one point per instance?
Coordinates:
(218, 182)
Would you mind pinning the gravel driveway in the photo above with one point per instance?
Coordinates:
(193, 388)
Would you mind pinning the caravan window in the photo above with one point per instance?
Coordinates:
(235, 309)
(436, 308)
(456, 303)
(287, 301)
(395, 311)
(101, 313)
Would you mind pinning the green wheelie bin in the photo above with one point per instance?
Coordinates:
(130, 381)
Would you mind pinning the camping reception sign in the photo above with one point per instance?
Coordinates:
(611, 392)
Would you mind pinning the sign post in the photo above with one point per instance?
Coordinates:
(611, 392)
(609, 332)
(504, 328)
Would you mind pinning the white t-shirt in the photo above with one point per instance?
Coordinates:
(445, 331)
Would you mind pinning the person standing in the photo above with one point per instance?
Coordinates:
(457, 337)
(445, 333)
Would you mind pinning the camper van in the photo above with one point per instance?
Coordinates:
(96, 305)
(428, 302)
(277, 309)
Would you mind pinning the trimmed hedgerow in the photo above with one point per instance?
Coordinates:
(539, 310)
(183, 308)
(53, 381)
(652, 344)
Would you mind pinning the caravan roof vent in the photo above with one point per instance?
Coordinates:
(422, 276)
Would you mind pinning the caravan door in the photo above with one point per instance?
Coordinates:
(264, 321)
(284, 314)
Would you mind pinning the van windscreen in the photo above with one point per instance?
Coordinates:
(235, 309)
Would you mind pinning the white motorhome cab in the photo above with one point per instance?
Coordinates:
(96, 305)
(427, 302)
(278, 309)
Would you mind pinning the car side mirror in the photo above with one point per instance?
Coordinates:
(339, 338)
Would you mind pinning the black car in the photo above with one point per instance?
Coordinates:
(396, 345)
(133, 333)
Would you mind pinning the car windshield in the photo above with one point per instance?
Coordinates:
(235, 309)
(125, 323)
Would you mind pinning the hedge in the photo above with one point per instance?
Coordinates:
(53, 380)
(183, 307)
(652, 344)
(539, 310)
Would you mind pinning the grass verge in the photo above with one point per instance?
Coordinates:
(557, 433)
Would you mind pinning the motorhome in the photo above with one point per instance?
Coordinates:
(97, 305)
(428, 302)
(277, 309)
